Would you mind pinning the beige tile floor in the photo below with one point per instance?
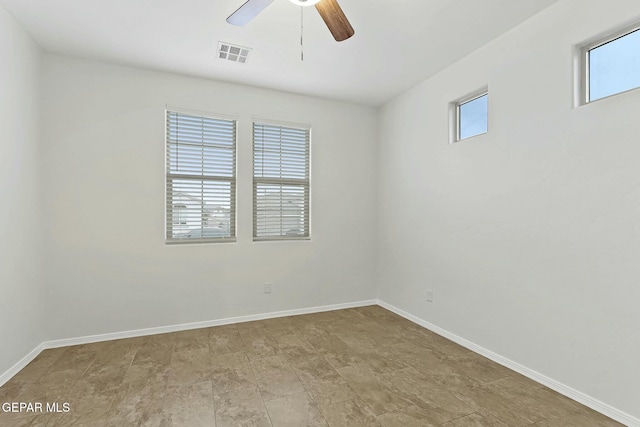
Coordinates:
(356, 367)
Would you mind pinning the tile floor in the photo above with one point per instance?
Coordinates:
(356, 367)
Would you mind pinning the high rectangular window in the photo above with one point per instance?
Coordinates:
(611, 65)
(471, 116)
(280, 182)
(200, 178)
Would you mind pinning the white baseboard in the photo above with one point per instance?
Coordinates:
(6, 376)
(172, 328)
(198, 325)
(563, 389)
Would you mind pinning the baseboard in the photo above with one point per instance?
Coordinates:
(198, 325)
(563, 389)
(171, 328)
(6, 376)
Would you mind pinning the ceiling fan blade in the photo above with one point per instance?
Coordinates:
(248, 11)
(334, 17)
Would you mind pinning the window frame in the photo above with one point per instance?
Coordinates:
(169, 203)
(454, 114)
(306, 183)
(584, 66)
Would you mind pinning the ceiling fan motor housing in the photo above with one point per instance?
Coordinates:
(304, 2)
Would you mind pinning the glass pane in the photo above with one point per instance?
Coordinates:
(281, 210)
(201, 209)
(474, 117)
(614, 67)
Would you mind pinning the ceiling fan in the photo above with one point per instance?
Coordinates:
(329, 10)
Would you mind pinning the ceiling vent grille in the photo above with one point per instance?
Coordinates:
(234, 53)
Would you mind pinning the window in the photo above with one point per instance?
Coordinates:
(611, 66)
(471, 116)
(178, 214)
(201, 178)
(280, 182)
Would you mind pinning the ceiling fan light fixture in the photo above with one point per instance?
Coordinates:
(304, 2)
(329, 10)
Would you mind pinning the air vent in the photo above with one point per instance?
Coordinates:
(233, 52)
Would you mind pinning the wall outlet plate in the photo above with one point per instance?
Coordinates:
(429, 295)
(267, 288)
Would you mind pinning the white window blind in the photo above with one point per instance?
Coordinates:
(280, 182)
(201, 178)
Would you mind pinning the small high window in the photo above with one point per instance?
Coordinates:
(471, 116)
(611, 65)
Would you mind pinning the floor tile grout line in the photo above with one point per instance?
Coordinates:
(304, 386)
(461, 417)
(213, 404)
(264, 403)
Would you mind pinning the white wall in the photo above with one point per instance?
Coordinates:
(529, 235)
(20, 241)
(108, 268)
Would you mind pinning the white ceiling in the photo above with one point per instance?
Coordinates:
(397, 44)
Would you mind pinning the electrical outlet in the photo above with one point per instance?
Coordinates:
(429, 295)
(267, 288)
